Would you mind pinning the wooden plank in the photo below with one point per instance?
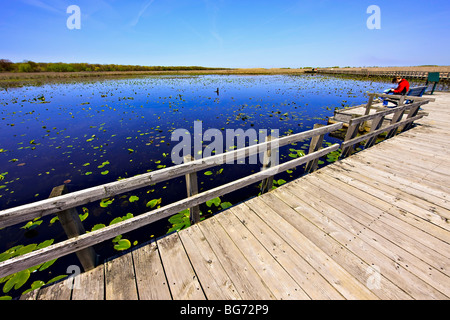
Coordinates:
(389, 151)
(315, 286)
(414, 264)
(215, 281)
(183, 282)
(150, 278)
(410, 186)
(416, 168)
(424, 145)
(32, 295)
(401, 176)
(343, 241)
(337, 276)
(411, 238)
(421, 177)
(120, 283)
(61, 290)
(362, 255)
(279, 282)
(90, 285)
(42, 208)
(395, 263)
(381, 190)
(249, 285)
(87, 240)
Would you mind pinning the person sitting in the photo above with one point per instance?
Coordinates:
(403, 86)
(402, 89)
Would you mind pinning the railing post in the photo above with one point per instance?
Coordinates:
(267, 184)
(352, 131)
(73, 227)
(192, 190)
(376, 124)
(412, 113)
(316, 145)
(369, 104)
(396, 118)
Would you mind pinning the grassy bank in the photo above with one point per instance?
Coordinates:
(17, 79)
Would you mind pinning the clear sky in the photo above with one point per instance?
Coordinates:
(228, 33)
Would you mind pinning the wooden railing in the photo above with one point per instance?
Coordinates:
(63, 204)
(83, 241)
(412, 111)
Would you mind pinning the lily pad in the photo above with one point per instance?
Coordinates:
(122, 244)
(133, 199)
(153, 203)
(215, 201)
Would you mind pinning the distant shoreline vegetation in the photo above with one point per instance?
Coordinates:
(30, 66)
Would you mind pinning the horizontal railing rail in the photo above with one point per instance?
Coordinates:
(71, 200)
(378, 118)
(46, 207)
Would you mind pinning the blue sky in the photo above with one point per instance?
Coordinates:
(228, 33)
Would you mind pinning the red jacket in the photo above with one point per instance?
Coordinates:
(403, 87)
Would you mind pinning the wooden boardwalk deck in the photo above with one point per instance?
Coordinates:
(373, 226)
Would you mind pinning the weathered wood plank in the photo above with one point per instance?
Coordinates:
(428, 214)
(337, 276)
(183, 282)
(215, 281)
(274, 276)
(150, 278)
(315, 286)
(249, 285)
(342, 241)
(381, 191)
(120, 282)
(61, 290)
(411, 238)
(90, 285)
(395, 263)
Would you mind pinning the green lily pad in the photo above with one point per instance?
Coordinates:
(133, 199)
(17, 281)
(106, 202)
(122, 244)
(215, 201)
(153, 203)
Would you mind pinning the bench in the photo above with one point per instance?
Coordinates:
(417, 91)
(413, 92)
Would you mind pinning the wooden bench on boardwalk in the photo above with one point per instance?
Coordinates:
(372, 226)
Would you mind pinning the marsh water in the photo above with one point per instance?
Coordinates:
(84, 134)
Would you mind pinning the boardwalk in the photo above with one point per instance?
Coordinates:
(373, 226)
